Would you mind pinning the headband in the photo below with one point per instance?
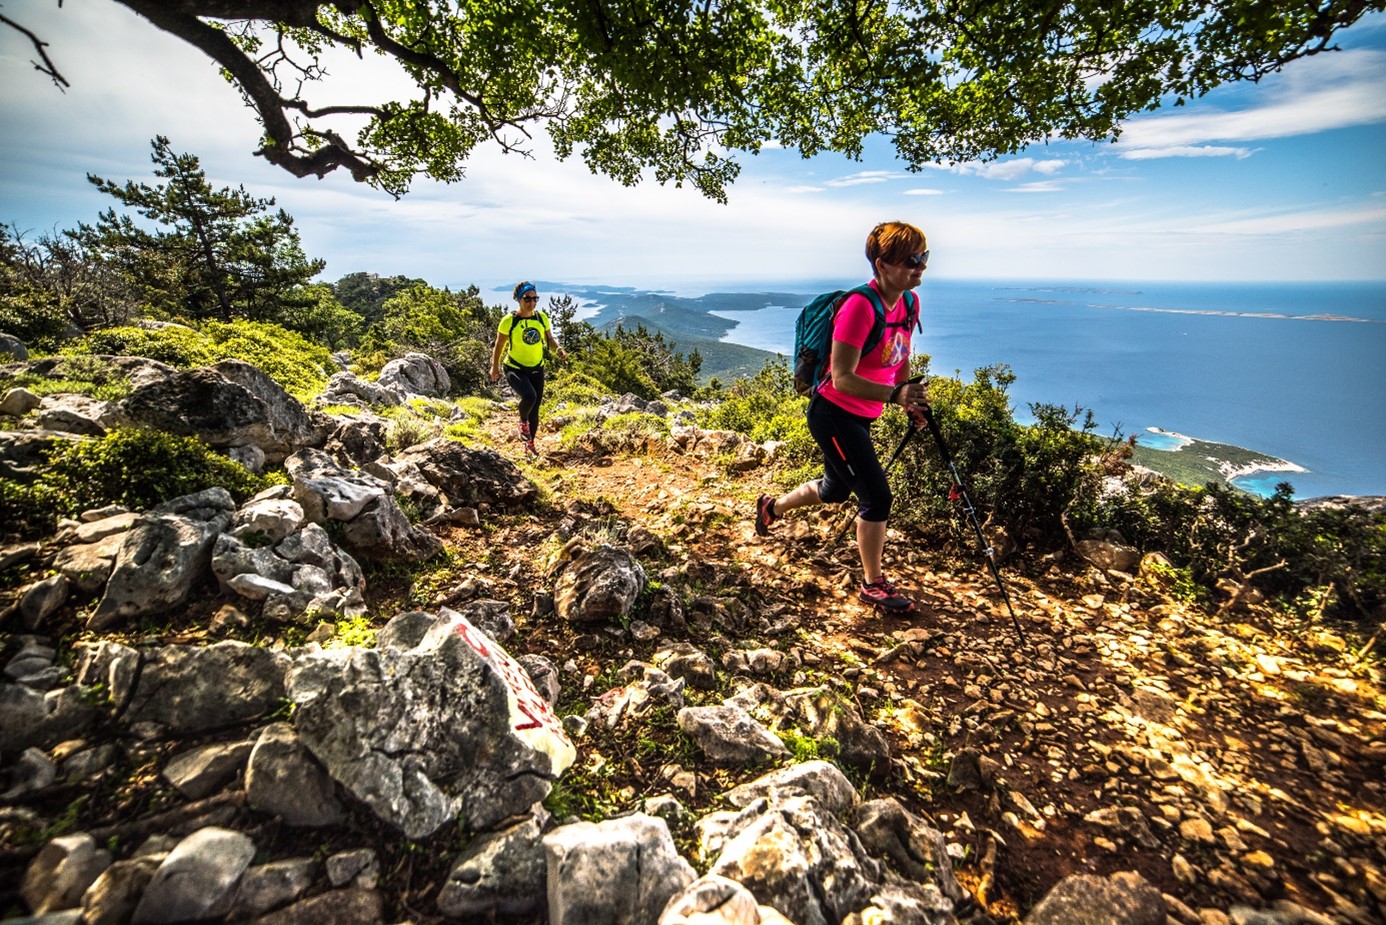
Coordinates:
(524, 287)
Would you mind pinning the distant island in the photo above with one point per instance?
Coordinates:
(1282, 316)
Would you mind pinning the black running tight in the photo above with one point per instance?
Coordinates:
(529, 386)
(850, 464)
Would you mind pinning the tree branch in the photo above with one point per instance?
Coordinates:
(430, 63)
(280, 148)
(47, 67)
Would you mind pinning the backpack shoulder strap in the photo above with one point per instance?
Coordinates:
(912, 308)
(871, 294)
(514, 323)
(878, 326)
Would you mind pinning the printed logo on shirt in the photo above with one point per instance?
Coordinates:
(530, 335)
(895, 349)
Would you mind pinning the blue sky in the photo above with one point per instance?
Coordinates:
(1285, 180)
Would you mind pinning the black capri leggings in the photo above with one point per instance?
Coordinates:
(528, 384)
(850, 464)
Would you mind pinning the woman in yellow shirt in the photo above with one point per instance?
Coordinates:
(523, 333)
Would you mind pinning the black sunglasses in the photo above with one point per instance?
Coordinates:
(915, 261)
(529, 298)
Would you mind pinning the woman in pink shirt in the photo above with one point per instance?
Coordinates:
(853, 394)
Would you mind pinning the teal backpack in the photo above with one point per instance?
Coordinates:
(813, 332)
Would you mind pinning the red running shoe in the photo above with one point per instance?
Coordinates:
(765, 514)
(883, 594)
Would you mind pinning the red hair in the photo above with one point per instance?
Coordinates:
(893, 242)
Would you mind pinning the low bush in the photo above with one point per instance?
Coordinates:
(178, 346)
(87, 375)
(1321, 560)
(290, 359)
(766, 407)
(33, 316)
(132, 467)
(296, 363)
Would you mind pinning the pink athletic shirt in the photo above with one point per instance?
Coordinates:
(882, 364)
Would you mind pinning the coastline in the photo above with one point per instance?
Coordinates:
(1227, 468)
(1194, 461)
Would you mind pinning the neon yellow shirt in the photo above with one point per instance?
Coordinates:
(527, 336)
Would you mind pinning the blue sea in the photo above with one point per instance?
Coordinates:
(1294, 371)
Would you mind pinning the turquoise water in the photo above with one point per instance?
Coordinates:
(1295, 371)
(1161, 441)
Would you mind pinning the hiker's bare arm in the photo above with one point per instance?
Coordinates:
(845, 358)
(496, 356)
(845, 380)
(555, 346)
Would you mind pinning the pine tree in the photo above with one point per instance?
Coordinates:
(219, 254)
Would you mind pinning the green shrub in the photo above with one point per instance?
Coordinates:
(34, 316)
(637, 423)
(354, 631)
(290, 359)
(573, 388)
(87, 375)
(456, 329)
(614, 434)
(619, 367)
(763, 407)
(1023, 477)
(178, 346)
(28, 511)
(405, 431)
(1220, 530)
(132, 467)
(287, 357)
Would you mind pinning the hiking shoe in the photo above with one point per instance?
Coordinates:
(765, 514)
(883, 594)
(529, 447)
(525, 435)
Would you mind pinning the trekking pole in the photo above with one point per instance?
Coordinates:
(909, 435)
(959, 494)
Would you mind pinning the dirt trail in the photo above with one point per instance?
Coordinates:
(1229, 761)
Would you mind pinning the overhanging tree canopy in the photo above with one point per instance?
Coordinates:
(676, 86)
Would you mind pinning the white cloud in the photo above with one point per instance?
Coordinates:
(1010, 169)
(1146, 154)
(1293, 222)
(1038, 186)
(1326, 92)
(866, 176)
(924, 191)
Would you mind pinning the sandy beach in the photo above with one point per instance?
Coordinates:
(1230, 471)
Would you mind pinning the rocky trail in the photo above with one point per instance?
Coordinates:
(578, 689)
(1231, 761)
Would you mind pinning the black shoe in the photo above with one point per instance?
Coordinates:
(765, 514)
